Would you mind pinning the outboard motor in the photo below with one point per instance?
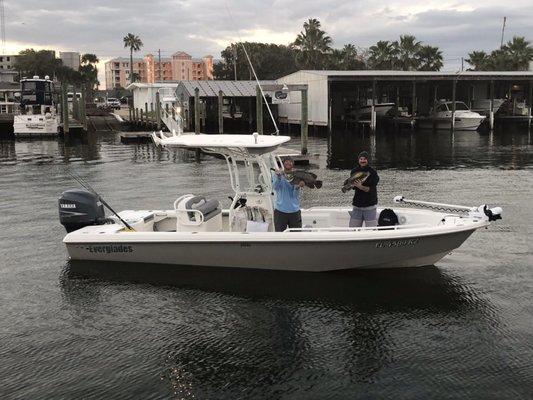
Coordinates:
(79, 208)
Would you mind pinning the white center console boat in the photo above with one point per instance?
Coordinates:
(197, 232)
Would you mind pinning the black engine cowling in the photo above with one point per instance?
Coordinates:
(79, 208)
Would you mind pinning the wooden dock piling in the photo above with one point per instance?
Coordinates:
(197, 119)
(64, 108)
(75, 108)
(196, 111)
(454, 93)
(158, 111)
(304, 128)
(413, 107)
(83, 108)
(491, 111)
(530, 103)
(373, 116)
(220, 112)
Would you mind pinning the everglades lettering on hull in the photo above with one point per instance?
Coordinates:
(108, 249)
(397, 243)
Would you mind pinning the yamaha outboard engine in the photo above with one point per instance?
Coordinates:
(79, 208)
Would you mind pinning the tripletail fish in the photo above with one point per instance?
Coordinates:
(295, 177)
(357, 177)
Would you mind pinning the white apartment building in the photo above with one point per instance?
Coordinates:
(70, 59)
(7, 62)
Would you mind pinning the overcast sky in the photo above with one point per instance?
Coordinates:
(202, 27)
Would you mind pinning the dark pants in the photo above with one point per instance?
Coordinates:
(282, 220)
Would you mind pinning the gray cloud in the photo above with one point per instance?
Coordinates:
(202, 26)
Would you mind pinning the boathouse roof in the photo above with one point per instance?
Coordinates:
(211, 88)
(418, 75)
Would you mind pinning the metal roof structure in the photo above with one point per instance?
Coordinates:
(420, 75)
(211, 88)
(140, 85)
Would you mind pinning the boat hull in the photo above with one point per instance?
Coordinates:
(381, 109)
(289, 255)
(34, 125)
(461, 124)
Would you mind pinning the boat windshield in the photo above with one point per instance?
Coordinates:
(460, 106)
(37, 92)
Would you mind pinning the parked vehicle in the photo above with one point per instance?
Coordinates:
(113, 102)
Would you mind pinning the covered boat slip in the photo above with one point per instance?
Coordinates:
(337, 98)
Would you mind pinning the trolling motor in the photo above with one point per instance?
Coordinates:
(481, 212)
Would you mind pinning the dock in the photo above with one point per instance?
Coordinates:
(135, 137)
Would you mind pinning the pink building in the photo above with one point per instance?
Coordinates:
(181, 66)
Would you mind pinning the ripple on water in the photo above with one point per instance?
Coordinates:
(458, 330)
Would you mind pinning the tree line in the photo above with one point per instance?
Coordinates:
(515, 55)
(313, 49)
(30, 62)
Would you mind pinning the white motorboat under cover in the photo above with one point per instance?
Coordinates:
(443, 112)
(197, 232)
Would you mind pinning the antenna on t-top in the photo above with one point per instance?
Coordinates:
(254, 74)
(503, 31)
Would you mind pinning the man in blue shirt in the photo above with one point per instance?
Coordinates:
(287, 204)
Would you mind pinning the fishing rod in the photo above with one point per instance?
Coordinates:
(91, 189)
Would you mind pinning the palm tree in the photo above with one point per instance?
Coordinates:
(88, 70)
(479, 60)
(312, 44)
(520, 53)
(134, 43)
(89, 59)
(407, 49)
(382, 55)
(430, 58)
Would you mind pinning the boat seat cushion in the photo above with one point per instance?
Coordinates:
(209, 208)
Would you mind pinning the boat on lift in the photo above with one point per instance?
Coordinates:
(37, 114)
(197, 232)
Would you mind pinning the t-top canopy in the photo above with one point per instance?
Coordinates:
(252, 144)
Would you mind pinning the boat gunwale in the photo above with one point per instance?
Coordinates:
(264, 237)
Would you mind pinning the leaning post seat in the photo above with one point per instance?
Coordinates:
(196, 214)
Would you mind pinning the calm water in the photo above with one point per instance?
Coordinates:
(461, 329)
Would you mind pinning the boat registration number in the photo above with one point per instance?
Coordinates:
(397, 243)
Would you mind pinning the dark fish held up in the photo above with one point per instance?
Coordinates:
(356, 177)
(295, 177)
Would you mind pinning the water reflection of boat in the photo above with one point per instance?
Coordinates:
(347, 320)
(414, 288)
